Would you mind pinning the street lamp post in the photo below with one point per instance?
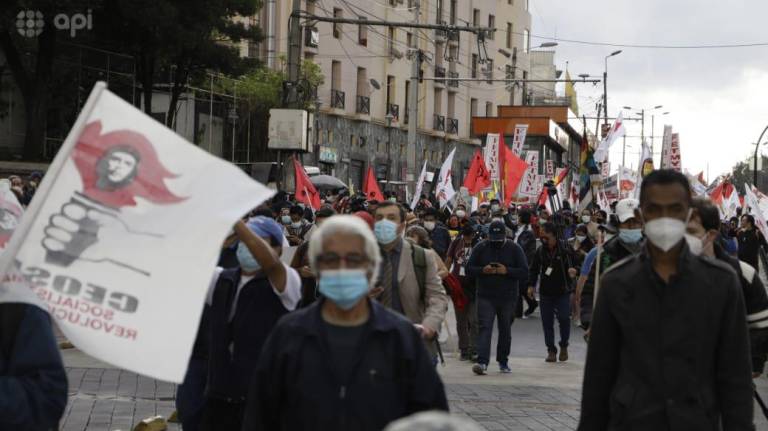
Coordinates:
(605, 85)
(653, 128)
(642, 122)
(757, 149)
(389, 119)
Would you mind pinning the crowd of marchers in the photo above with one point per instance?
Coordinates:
(345, 334)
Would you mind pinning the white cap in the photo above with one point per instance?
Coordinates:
(625, 209)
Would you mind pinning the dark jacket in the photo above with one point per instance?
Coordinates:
(614, 251)
(668, 356)
(756, 303)
(749, 246)
(527, 241)
(551, 267)
(493, 286)
(295, 386)
(33, 383)
(235, 344)
(441, 239)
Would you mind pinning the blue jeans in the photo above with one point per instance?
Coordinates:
(487, 311)
(560, 307)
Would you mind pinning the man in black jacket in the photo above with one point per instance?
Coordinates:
(438, 233)
(33, 383)
(498, 265)
(669, 348)
(703, 235)
(550, 266)
(526, 239)
(345, 362)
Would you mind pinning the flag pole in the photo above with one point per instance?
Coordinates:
(55, 168)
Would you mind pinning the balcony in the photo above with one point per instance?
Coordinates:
(363, 105)
(439, 73)
(338, 99)
(453, 126)
(394, 111)
(311, 37)
(439, 123)
(453, 84)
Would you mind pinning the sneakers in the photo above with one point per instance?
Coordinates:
(480, 369)
(551, 357)
(563, 354)
(531, 309)
(504, 369)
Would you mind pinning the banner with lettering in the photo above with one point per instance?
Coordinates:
(518, 139)
(122, 238)
(491, 155)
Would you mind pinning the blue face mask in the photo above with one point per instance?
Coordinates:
(631, 236)
(286, 219)
(343, 287)
(385, 231)
(247, 262)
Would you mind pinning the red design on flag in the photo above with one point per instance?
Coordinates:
(371, 187)
(305, 191)
(118, 166)
(478, 176)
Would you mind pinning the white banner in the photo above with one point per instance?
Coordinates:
(528, 185)
(491, 155)
(674, 153)
(518, 139)
(122, 238)
(445, 190)
(666, 144)
(549, 168)
(751, 200)
(606, 170)
(419, 187)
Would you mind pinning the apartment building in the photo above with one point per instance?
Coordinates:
(363, 103)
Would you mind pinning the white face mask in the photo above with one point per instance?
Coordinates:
(586, 219)
(665, 232)
(696, 245)
(461, 213)
(429, 225)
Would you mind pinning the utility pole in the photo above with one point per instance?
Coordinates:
(294, 70)
(413, 106)
(514, 75)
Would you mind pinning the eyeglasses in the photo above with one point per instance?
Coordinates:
(333, 260)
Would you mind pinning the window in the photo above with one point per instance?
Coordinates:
(526, 40)
(336, 75)
(453, 12)
(492, 26)
(362, 33)
(525, 88)
(409, 39)
(391, 40)
(510, 32)
(405, 103)
(390, 91)
(488, 109)
(476, 17)
(489, 70)
(473, 107)
(362, 82)
(439, 13)
(451, 105)
(337, 13)
(474, 65)
(438, 101)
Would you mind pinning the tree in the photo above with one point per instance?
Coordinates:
(184, 38)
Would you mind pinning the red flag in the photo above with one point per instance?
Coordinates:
(543, 196)
(305, 191)
(371, 187)
(512, 170)
(478, 176)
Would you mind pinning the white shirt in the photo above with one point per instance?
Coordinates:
(289, 297)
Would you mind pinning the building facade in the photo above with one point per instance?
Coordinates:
(363, 116)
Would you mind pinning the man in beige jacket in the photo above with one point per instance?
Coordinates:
(398, 286)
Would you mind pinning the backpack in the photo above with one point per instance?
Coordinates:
(11, 314)
(419, 258)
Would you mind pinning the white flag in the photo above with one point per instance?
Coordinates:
(616, 131)
(444, 190)
(751, 200)
(419, 187)
(644, 167)
(121, 239)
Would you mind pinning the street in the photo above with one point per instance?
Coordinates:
(535, 396)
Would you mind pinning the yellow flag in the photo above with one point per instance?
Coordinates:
(570, 92)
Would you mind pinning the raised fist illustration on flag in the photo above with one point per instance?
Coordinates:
(115, 167)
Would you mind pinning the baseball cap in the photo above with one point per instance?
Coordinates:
(497, 231)
(266, 228)
(625, 209)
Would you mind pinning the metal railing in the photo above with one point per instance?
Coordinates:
(439, 123)
(338, 99)
(451, 83)
(439, 73)
(453, 126)
(394, 111)
(363, 105)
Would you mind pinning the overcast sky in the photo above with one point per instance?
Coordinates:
(717, 98)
